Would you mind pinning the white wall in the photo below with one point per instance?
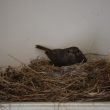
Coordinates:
(55, 106)
(52, 23)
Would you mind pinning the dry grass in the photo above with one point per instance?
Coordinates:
(42, 82)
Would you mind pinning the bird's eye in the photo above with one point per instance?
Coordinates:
(68, 51)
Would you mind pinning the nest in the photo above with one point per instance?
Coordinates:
(41, 81)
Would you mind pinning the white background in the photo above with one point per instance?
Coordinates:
(52, 23)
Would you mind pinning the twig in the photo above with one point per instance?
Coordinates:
(4, 80)
(23, 64)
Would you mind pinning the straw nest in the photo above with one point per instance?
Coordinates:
(42, 82)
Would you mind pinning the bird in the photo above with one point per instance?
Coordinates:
(64, 57)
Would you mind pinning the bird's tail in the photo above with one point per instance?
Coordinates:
(42, 48)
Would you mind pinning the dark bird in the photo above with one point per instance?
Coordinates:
(64, 57)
